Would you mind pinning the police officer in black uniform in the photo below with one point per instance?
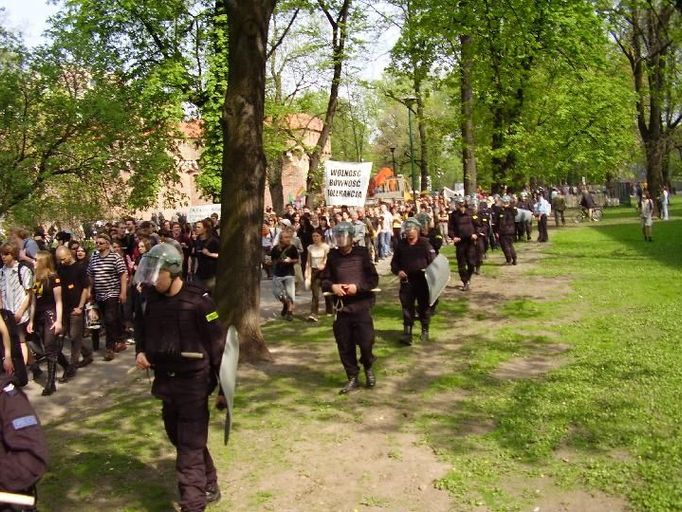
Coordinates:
(23, 448)
(350, 275)
(484, 229)
(462, 231)
(412, 255)
(178, 334)
(505, 229)
(429, 232)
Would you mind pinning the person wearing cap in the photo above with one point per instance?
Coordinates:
(463, 233)
(178, 334)
(108, 289)
(412, 255)
(351, 276)
(505, 229)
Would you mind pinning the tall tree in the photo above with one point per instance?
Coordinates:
(338, 18)
(650, 36)
(76, 138)
(244, 170)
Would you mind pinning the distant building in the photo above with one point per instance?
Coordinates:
(294, 172)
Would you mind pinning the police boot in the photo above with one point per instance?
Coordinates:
(370, 379)
(407, 335)
(351, 385)
(49, 385)
(212, 493)
(425, 334)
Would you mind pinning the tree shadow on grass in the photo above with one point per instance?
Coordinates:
(112, 460)
(666, 247)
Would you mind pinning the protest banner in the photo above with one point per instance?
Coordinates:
(197, 213)
(345, 183)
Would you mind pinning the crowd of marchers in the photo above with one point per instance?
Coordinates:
(57, 288)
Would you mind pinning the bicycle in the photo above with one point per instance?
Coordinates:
(581, 216)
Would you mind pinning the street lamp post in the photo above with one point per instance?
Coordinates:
(409, 101)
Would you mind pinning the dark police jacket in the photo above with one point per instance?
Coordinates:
(483, 224)
(412, 259)
(435, 239)
(356, 268)
(506, 221)
(461, 225)
(23, 449)
(186, 322)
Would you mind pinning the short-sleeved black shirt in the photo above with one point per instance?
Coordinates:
(43, 293)
(74, 279)
(206, 266)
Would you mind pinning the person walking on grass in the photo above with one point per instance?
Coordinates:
(647, 216)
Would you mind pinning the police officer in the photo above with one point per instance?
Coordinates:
(350, 275)
(431, 233)
(412, 255)
(178, 334)
(524, 224)
(481, 219)
(506, 229)
(23, 448)
(463, 233)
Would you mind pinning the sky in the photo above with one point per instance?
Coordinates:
(28, 17)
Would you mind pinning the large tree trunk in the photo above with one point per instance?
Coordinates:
(467, 123)
(244, 169)
(423, 143)
(339, 37)
(275, 184)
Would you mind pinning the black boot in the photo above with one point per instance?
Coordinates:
(351, 385)
(212, 493)
(35, 369)
(69, 373)
(407, 335)
(370, 379)
(49, 385)
(94, 336)
(425, 334)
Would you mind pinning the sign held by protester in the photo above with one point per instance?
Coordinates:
(197, 213)
(345, 183)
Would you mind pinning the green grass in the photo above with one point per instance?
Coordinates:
(616, 407)
(609, 419)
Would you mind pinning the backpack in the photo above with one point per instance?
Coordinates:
(20, 374)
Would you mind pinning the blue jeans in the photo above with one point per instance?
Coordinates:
(384, 244)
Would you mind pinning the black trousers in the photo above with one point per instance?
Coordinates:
(466, 258)
(542, 228)
(111, 314)
(523, 230)
(52, 343)
(480, 246)
(186, 424)
(353, 330)
(415, 289)
(507, 243)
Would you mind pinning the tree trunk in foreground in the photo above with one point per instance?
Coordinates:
(244, 170)
(467, 106)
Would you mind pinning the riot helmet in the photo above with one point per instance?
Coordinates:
(162, 256)
(343, 234)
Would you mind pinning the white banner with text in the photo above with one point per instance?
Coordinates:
(345, 183)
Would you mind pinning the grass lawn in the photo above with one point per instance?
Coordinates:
(605, 416)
